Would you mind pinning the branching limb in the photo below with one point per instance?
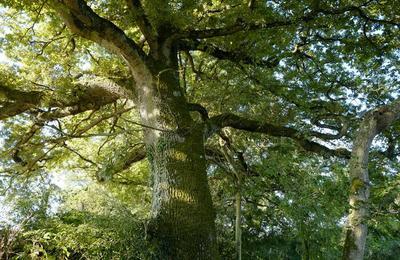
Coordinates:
(82, 20)
(80, 155)
(144, 24)
(341, 128)
(240, 26)
(91, 93)
(200, 109)
(100, 119)
(121, 161)
(234, 56)
(241, 123)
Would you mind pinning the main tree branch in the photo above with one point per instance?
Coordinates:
(241, 123)
(143, 22)
(88, 94)
(82, 20)
(234, 56)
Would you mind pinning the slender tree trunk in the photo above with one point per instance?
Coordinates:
(182, 216)
(359, 192)
(226, 149)
(306, 254)
(238, 224)
(373, 123)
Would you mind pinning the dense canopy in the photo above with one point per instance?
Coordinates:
(152, 129)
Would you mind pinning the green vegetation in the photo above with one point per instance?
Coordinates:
(152, 129)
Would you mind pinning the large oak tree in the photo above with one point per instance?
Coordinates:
(300, 61)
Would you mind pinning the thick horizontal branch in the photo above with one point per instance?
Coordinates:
(14, 102)
(234, 56)
(10, 109)
(235, 28)
(241, 123)
(361, 13)
(89, 93)
(11, 94)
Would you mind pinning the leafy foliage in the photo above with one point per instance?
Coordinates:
(310, 69)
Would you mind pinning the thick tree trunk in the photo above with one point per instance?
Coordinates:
(373, 123)
(182, 217)
(182, 214)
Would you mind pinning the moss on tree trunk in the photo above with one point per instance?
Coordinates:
(182, 216)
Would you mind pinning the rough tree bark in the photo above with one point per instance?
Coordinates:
(374, 122)
(182, 216)
(182, 213)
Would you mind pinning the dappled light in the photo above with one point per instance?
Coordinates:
(240, 129)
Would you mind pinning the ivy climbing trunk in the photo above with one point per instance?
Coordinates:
(182, 216)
